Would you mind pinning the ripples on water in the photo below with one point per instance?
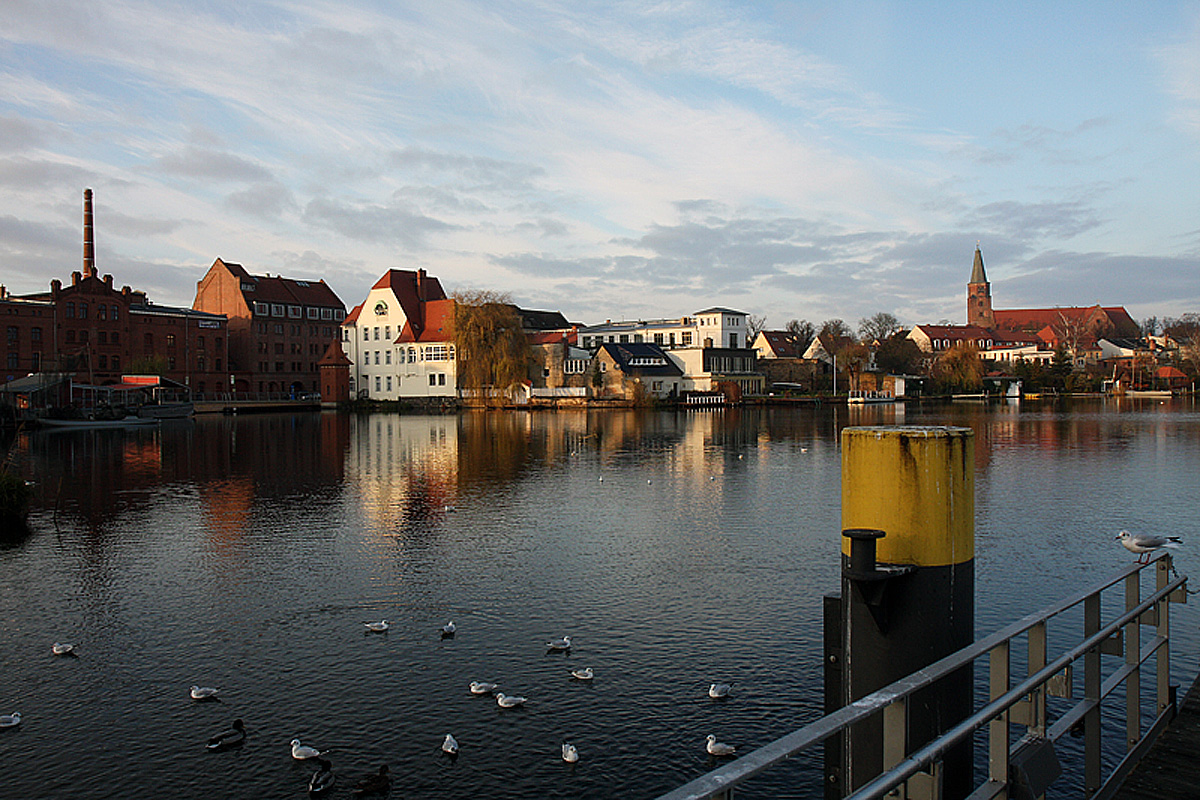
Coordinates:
(245, 553)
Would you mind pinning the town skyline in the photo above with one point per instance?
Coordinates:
(809, 162)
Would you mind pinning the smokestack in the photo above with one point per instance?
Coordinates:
(89, 244)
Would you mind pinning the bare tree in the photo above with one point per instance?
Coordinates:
(755, 324)
(877, 327)
(836, 327)
(800, 333)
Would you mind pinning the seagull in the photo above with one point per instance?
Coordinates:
(570, 753)
(483, 687)
(63, 649)
(719, 690)
(1146, 543)
(584, 674)
(10, 720)
(448, 630)
(716, 748)
(450, 745)
(560, 644)
(374, 784)
(204, 693)
(377, 627)
(323, 779)
(301, 752)
(508, 701)
(232, 737)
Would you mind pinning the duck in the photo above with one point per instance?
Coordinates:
(448, 630)
(716, 748)
(509, 701)
(570, 753)
(232, 737)
(302, 752)
(717, 691)
(374, 784)
(63, 649)
(10, 720)
(377, 627)
(450, 745)
(584, 674)
(560, 644)
(323, 779)
(483, 687)
(204, 692)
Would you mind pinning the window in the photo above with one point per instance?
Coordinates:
(114, 313)
(116, 363)
(378, 382)
(389, 383)
(36, 362)
(314, 313)
(733, 340)
(200, 363)
(83, 336)
(102, 336)
(412, 355)
(115, 338)
(387, 332)
(70, 313)
(262, 309)
(276, 309)
(441, 379)
(102, 361)
(327, 313)
(199, 342)
(366, 334)
(376, 356)
(658, 338)
(377, 333)
(438, 352)
(171, 362)
(35, 335)
(387, 357)
(433, 380)
(686, 336)
(624, 338)
(294, 312)
(279, 366)
(83, 310)
(101, 311)
(12, 334)
(278, 329)
(70, 337)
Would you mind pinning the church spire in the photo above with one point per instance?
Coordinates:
(977, 273)
(979, 295)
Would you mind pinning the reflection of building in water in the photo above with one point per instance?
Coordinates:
(407, 466)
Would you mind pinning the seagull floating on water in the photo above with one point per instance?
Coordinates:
(231, 737)
(323, 779)
(302, 752)
(204, 693)
(570, 753)
(584, 674)
(448, 630)
(560, 644)
(374, 784)
(716, 748)
(450, 745)
(483, 687)
(377, 627)
(719, 690)
(1146, 543)
(10, 720)
(63, 649)
(508, 701)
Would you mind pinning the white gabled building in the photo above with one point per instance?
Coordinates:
(400, 340)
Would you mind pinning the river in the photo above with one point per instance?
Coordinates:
(676, 549)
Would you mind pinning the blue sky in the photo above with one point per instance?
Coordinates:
(614, 160)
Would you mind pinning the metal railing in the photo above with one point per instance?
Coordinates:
(916, 773)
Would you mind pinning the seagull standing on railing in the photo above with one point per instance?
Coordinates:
(1146, 543)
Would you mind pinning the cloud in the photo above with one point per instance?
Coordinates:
(265, 200)
(32, 173)
(372, 222)
(17, 134)
(212, 165)
(1180, 63)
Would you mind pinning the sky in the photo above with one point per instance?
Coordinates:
(614, 160)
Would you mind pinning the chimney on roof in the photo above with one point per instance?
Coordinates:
(75, 276)
(421, 284)
(89, 243)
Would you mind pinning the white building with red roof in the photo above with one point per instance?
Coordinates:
(400, 339)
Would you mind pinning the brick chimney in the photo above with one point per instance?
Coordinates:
(421, 284)
(89, 243)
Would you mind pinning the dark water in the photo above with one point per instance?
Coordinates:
(677, 550)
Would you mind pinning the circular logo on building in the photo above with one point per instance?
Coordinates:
(380, 308)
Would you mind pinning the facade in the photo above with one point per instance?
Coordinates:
(634, 371)
(713, 327)
(400, 340)
(776, 344)
(279, 328)
(95, 333)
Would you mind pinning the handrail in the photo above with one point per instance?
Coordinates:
(721, 781)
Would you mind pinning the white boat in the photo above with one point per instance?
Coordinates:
(857, 396)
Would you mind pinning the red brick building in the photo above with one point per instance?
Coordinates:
(279, 328)
(95, 332)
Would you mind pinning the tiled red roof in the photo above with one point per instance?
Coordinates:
(352, 317)
(439, 324)
(781, 343)
(334, 356)
(288, 291)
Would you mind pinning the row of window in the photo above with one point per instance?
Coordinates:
(102, 311)
(435, 379)
(297, 312)
(294, 330)
(435, 352)
(294, 366)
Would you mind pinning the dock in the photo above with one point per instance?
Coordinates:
(1169, 771)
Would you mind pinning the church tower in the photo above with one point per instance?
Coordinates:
(979, 296)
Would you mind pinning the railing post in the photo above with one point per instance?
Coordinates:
(998, 682)
(1133, 651)
(1091, 694)
(1037, 660)
(1163, 569)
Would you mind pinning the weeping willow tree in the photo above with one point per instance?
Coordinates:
(959, 369)
(491, 348)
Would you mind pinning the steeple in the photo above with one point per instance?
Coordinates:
(977, 273)
(979, 295)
